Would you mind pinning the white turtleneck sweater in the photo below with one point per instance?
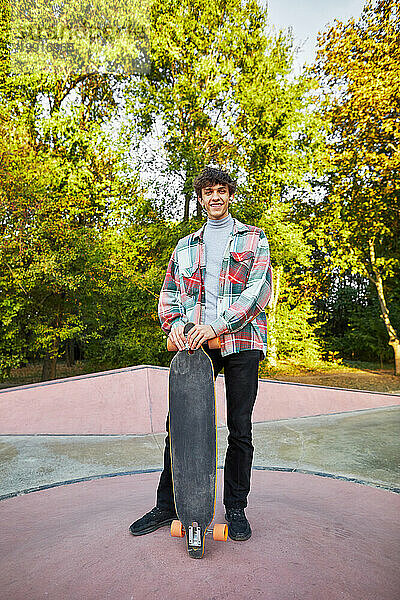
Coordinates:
(216, 235)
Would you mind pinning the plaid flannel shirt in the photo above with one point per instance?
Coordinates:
(244, 288)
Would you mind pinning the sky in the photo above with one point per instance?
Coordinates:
(307, 18)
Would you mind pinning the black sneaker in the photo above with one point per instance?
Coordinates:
(152, 520)
(238, 526)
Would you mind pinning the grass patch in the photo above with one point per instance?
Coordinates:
(340, 374)
(294, 367)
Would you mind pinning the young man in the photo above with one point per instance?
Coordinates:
(220, 279)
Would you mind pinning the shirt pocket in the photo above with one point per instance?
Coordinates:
(239, 267)
(191, 280)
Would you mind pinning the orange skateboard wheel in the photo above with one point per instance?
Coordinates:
(177, 529)
(220, 532)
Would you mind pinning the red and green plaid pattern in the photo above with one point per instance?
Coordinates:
(244, 291)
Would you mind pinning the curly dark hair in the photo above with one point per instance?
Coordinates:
(211, 176)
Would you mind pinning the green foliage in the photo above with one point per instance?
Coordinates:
(124, 325)
(85, 207)
(353, 328)
(77, 36)
(295, 331)
(365, 338)
(58, 192)
(286, 237)
(219, 91)
(196, 51)
(358, 68)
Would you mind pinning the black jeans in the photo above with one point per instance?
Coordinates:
(241, 384)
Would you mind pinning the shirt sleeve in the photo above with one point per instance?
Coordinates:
(170, 310)
(254, 297)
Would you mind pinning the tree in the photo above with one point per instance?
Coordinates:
(59, 189)
(358, 68)
(277, 144)
(124, 326)
(291, 332)
(62, 176)
(203, 55)
(220, 91)
(50, 249)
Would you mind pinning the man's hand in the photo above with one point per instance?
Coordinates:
(177, 337)
(198, 335)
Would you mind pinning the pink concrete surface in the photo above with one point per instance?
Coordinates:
(313, 539)
(284, 400)
(109, 402)
(134, 401)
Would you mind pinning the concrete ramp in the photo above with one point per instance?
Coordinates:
(314, 537)
(133, 400)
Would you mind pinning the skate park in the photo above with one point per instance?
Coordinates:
(81, 458)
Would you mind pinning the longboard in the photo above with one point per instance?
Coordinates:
(193, 443)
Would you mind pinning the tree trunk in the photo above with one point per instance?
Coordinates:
(49, 369)
(188, 194)
(69, 353)
(199, 209)
(396, 349)
(272, 342)
(377, 280)
(188, 197)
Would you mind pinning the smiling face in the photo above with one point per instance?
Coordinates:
(215, 200)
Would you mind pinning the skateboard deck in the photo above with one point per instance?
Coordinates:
(193, 441)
